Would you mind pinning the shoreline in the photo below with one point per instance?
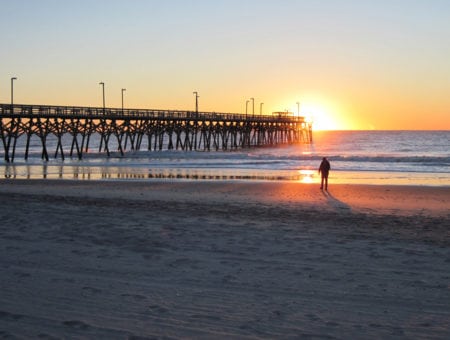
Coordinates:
(173, 259)
(366, 198)
(307, 175)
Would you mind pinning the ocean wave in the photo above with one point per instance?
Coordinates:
(237, 159)
(423, 159)
(432, 160)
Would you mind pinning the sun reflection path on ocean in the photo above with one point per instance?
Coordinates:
(307, 176)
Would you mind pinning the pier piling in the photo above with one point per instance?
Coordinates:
(164, 129)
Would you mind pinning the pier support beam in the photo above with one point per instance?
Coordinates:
(169, 130)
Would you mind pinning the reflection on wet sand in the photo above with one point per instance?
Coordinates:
(307, 176)
(122, 173)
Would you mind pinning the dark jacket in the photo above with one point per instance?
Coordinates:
(324, 167)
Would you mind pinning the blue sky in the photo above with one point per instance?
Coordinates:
(356, 64)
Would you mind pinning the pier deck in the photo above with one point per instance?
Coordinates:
(133, 129)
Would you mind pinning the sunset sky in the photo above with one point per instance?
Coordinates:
(352, 64)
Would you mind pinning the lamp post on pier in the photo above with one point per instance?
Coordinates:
(246, 108)
(12, 92)
(253, 106)
(260, 108)
(196, 102)
(298, 109)
(103, 91)
(123, 90)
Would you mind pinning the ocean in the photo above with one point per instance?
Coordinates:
(357, 157)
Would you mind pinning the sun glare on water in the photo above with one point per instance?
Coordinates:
(306, 176)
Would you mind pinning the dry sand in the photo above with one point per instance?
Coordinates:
(118, 260)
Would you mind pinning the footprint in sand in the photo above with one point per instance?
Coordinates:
(47, 336)
(136, 297)
(312, 317)
(92, 290)
(158, 309)
(22, 275)
(206, 317)
(76, 324)
(9, 316)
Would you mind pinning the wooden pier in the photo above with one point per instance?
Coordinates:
(134, 129)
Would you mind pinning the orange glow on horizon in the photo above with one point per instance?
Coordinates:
(322, 115)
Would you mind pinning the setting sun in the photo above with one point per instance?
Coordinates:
(322, 116)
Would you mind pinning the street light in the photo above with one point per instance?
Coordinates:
(246, 108)
(196, 102)
(260, 108)
(298, 109)
(103, 90)
(122, 98)
(12, 91)
(253, 105)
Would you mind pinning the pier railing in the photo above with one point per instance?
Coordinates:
(170, 129)
(30, 111)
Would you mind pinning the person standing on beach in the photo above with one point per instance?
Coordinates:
(324, 170)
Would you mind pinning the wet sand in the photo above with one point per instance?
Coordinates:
(188, 259)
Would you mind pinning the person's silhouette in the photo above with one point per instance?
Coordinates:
(324, 170)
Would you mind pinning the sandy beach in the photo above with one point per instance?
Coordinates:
(221, 260)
